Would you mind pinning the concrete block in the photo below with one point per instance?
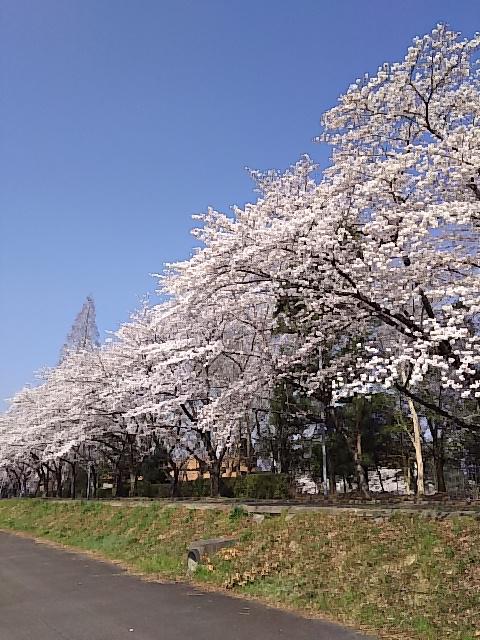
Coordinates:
(198, 549)
(257, 518)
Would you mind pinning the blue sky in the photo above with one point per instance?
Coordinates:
(120, 119)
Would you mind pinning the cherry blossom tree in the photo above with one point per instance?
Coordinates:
(363, 280)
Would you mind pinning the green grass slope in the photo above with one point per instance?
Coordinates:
(406, 577)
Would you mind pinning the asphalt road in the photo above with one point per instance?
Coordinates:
(51, 594)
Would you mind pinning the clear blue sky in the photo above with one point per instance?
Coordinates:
(119, 119)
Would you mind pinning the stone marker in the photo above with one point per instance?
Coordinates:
(257, 518)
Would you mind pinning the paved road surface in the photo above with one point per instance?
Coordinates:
(49, 594)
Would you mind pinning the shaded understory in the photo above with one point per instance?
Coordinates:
(404, 577)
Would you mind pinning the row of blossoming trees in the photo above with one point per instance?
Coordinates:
(323, 293)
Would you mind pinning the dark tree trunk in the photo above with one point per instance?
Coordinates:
(73, 485)
(284, 454)
(413, 477)
(215, 473)
(37, 488)
(59, 481)
(249, 453)
(331, 476)
(274, 456)
(175, 478)
(438, 442)
(47, 482)
(94, 480)
(362, 482)
(42, 480)
(215, 459)
(119, 483)
(133, 486)
(18, 491)
(380, 477)
(440, 475)
(133, 489)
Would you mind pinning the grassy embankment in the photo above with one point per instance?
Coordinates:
(406, 577)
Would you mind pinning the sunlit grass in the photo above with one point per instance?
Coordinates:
(407, 577)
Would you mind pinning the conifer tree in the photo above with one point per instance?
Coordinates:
(84, 332)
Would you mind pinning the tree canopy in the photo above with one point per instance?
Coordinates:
(362, 283)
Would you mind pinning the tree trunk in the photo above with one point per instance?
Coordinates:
(42, 481)
(249, 452)
(407, 476)
(119, 488)
(58, 476)
(440, 474)
(37, 488)
(417, 444)
(24, 485)
(413, 477)
(332, 476)
(438, 442)
(380, 478)
(175, 478)
(274, 456)
(133, 484)
(73, 486)
(284, 457)
(47, 482)
(357, 456)
(215, 472)
(94, 481)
